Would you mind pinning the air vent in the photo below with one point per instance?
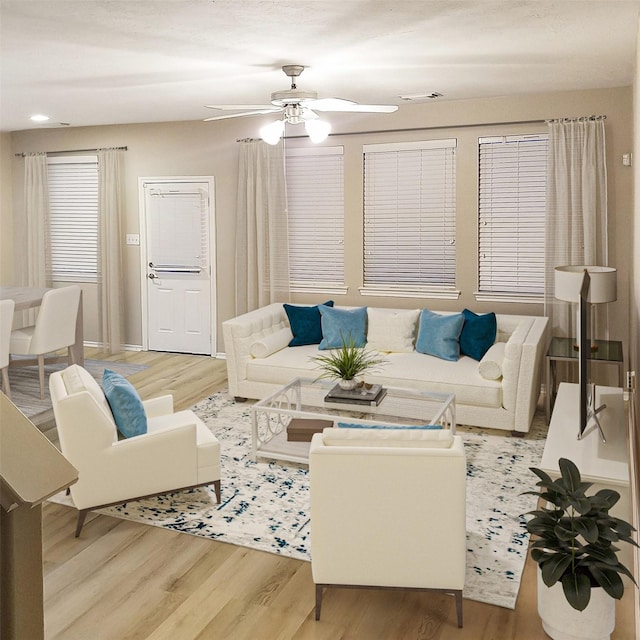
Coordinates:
(417, 97)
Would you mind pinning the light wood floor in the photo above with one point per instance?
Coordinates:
(122, 580)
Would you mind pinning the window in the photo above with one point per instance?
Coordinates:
(73, 218)
(315, 195)
(511, 212)
(410, 218)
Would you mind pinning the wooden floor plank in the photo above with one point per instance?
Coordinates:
(124, 580)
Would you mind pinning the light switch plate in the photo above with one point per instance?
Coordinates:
(133, 238)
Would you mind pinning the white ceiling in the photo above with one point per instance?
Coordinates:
(88, 62)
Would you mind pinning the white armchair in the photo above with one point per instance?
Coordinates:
(177, 452)
(6, 320)
(388, 511)
(55, 328)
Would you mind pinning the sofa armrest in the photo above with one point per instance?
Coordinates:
(243, 331)
(160, 406)
(143, 465)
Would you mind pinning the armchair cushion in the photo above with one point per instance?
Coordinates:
(126, 405)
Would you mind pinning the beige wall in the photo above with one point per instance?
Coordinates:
(198, 148)
(6, 211)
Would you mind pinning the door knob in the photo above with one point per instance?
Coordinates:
(151, 276)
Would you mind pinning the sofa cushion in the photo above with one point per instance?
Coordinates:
(438, 334)
(271, 343)
(340, 326)
(490, 367)
(478, 333)
(392, 329)
(305, 323)
(126, 406)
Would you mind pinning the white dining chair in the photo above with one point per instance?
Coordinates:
(6, 320)
(55, 328)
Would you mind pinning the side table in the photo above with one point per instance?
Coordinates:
(562, 350)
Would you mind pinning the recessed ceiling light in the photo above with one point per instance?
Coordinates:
(39, 118)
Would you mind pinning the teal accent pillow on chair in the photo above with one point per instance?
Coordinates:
(340, 326)
(305, 323)
(126, 406)
(478, 334)
(438, 335)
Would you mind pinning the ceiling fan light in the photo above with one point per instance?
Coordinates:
(272, 132)
(318, 130)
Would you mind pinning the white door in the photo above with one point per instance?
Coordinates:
(178, 257)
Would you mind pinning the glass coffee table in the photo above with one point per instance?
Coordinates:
(304, 398)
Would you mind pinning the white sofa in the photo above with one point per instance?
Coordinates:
(259, 361)
(388, 510)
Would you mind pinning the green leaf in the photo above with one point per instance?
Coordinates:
(587, 528)
(609, 496)
(603, 554)
(564, 533)
(570, 474)
(577, 590)
(554, 567)
(609, 580)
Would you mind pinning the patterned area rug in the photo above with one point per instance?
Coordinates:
(265, 504)
(25, 385)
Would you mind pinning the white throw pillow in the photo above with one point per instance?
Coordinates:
(392, 330)
(490, 367)
(271, 343)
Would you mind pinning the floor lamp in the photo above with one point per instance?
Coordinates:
(586, 285)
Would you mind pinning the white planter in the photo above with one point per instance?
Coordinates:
(348, 385)
(562, 622)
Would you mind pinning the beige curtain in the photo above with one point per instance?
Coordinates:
(262, 240)
(110, 211)
(576, 220)
(32, 230)
(36, 206)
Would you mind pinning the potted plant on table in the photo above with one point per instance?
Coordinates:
(575, 548)
(347, 362)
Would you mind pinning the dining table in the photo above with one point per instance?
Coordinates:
(30, 298)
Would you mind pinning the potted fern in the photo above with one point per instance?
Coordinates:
(347, 362)
(574, 546)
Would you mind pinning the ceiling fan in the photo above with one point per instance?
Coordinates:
(298, 107)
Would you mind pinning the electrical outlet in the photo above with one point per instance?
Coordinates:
(631, 379)
(133, 238)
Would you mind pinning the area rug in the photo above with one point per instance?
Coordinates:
(265, 505)
(25, 385)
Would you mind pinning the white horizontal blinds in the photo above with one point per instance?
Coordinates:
(511, 209)
(178, 230)
(315, 202)
(410, 214)
(73, 218)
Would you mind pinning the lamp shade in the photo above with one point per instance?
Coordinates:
(602, 288)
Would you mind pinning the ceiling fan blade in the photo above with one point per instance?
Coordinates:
(242, 107)
(241, 115)
(339, 104)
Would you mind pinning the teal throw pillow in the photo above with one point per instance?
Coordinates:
(478, 334)
(126, 406)
(341, 326)
(410, 427)
(438, 335)
(305, 323)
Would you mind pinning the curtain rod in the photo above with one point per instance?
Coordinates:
(452, 126)
(22, 155)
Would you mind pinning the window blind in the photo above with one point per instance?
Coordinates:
(511, 211)
(315, 196)
(410, 214)
(73, 218)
